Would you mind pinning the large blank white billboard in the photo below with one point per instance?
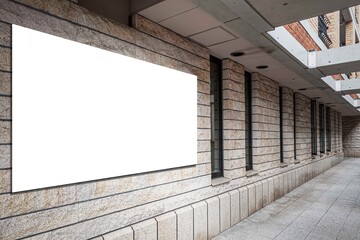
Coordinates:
(81, 113)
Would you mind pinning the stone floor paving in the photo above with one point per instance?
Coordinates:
(326, 207)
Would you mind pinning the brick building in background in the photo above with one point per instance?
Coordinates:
(270, 116)
(335, 29)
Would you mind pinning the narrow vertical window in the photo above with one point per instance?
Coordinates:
(328, 130)
(294, 112)
(281, 124)
(339, 132)
(335, 133)
(313, 128)
(322, 128)
(216, 116)
(248, 122)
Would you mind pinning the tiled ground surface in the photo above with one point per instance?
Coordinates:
(326, 207)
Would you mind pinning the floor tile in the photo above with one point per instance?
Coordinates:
(325, 208)
(293, 234)
(304, 223)
(349, 233)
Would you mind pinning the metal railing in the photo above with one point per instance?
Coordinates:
(323, 23)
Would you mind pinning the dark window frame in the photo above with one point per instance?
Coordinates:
(328, 129)
(248, 122)
(281, 120)
(335, 133)
(313, 127)
(294, 114)
(215, 173)
(322, 128)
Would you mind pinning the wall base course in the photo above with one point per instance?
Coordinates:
(223, 205)
(118, 207)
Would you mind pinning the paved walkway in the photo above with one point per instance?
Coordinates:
(326, 207)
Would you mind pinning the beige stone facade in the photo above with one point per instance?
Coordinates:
(334, 28)
(184, 203)
(351, 136)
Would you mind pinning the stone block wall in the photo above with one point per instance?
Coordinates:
(351, 136)
(336, 130)
(182, 203)
(265, 123)
(288, 125)
(207, 218)
(303, 127)
(87, 210)
(339, 146)
(233, 119)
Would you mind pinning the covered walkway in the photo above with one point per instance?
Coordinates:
(326, 207)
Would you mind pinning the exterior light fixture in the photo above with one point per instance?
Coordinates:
(237, 54)
(262, 67)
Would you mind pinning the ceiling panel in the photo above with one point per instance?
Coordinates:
(263, 59)
(281, 12)
(315, 92)
(286, 77)
(239, 44)
(191, 22)
(167, 9)
(213, 36)
(296, 85)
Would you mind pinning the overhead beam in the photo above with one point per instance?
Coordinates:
(343, 87)
(357, 103)
(336, 60)
(283, 39)
(354, 102)
(349, 86)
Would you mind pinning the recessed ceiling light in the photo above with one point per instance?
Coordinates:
(285, 4)
(262, 67)
(237, 54)
(302, 89)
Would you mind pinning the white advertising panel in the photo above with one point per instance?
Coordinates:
(81, 113)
